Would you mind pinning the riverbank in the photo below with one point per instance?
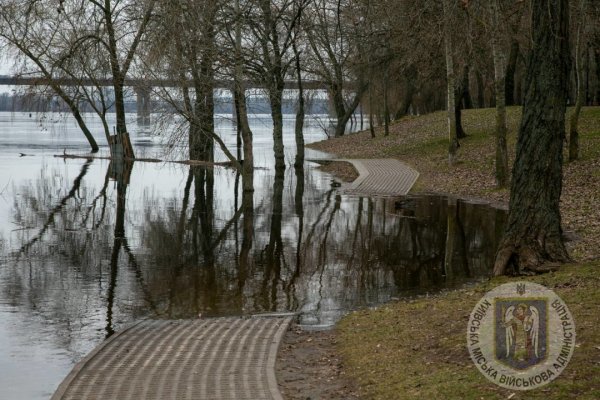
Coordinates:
(416, 349)
(421, 142)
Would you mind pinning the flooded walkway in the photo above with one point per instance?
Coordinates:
(382, 177)
(215, 358)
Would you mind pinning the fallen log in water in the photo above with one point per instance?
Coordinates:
(228, 164)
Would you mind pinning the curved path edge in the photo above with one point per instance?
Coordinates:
(379, 177)
(211, 358)
(64, 385)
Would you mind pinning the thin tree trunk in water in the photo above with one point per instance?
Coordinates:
(248, 165)
(119, 71)
(240, 99)
(86, 132)
(452, 133)
(123, 141)
(580, 58)
(277, 115)
(501, 171)
(74, 107)
(533, 234)
(238, 127)
(299, 127)
(202, 127)
(511, 68)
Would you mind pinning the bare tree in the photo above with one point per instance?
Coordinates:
(31, 31)
(239, 94)
(184, 50)
(449, 9)
(339, 39)
(272, 24)
(120, 30)
(53, 35)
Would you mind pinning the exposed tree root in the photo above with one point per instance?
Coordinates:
(527, 259)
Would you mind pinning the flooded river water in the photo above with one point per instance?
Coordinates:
(81, 254)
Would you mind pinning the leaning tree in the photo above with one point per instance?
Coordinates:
(533, 235)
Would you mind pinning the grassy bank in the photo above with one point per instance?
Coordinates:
(417, 349)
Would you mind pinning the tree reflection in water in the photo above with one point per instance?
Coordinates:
(99, 254)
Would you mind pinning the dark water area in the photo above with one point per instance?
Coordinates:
(87, 247)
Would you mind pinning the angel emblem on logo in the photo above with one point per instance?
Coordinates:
(521, 332)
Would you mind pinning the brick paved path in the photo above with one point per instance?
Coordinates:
(215, 358)
(384, 177)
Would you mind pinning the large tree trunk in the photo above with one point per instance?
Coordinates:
(533, 236)
(580, 60)
(499, 86)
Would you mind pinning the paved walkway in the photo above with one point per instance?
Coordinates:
(216, 358)
(382, 177)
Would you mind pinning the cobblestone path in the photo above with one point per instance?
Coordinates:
(213, 358)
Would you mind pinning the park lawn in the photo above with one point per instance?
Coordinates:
(417, 348)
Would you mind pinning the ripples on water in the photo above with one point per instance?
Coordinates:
(83, 254)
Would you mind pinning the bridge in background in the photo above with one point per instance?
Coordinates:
(143, 87)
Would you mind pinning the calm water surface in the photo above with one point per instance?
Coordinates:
(86, 248)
